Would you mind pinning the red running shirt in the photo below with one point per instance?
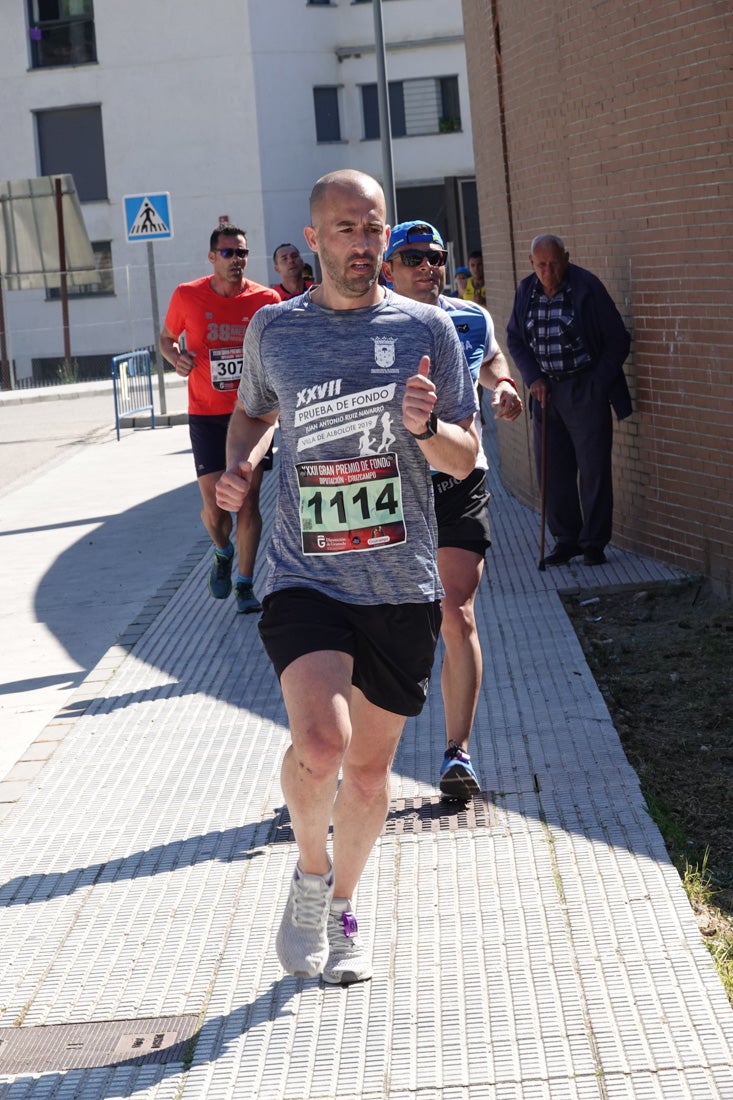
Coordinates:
(214, 327)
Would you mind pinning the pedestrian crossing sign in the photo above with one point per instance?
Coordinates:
(148, 217)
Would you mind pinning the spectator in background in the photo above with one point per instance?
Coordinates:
(475, 289)
(462, 277)
(290, 266)
(569, 342)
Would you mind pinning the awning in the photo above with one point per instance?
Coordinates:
(29, 235)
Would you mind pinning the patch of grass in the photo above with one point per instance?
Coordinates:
(700, 886)
(697, 882)
(716, 931)
(675, 837)
(721, 948)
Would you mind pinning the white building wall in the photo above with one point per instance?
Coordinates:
(213, 103)
(423, 38)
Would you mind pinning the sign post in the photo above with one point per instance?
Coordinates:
(148, 218)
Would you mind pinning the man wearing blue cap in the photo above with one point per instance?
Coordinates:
(415, 266)
(462, 277)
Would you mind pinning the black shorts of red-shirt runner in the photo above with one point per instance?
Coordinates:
(392, 645)
(209, 444)
(462, 511)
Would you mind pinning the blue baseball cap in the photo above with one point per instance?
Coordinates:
(462, 271)
(412, 233)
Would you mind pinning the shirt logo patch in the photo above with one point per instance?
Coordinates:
(384, 353)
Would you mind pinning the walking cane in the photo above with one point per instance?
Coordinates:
(543, 481)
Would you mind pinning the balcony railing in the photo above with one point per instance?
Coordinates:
(63, 42)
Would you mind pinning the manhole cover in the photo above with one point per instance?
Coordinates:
(42, 1049)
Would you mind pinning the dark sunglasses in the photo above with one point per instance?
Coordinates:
(413, 257)
(227, 253)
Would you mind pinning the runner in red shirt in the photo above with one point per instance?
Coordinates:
(202, 338)
(290, 266)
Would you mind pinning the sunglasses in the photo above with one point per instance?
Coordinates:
(413, 257)
(227, 253)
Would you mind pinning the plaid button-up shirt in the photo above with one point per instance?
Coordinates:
(553, 334)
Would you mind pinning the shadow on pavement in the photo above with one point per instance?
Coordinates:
(95, 588)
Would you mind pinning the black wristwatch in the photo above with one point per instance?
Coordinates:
(431, 428)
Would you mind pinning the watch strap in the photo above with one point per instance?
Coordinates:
(430, 430)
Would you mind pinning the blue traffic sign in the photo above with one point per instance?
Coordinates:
(148, 217)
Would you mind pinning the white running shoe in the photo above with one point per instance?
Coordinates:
(302, 943)
(348, 959)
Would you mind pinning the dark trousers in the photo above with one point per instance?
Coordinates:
(579, 486)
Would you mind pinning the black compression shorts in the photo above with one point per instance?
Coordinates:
(462, 512)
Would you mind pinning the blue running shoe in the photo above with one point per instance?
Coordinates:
(458, 780)
(220, 577)
(247, 602)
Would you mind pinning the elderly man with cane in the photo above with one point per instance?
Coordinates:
(569, 343)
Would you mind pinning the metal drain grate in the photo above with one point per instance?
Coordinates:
(433, 815)
(414, 815)
(43, 1049)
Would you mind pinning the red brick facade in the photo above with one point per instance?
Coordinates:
(611, 124)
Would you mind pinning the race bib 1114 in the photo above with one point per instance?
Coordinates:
(350, 504)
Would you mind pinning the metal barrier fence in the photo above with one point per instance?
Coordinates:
(132, 384)
(32, 383)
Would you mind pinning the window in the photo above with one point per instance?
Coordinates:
(370, 110)
(450, 105)
(430, 200)
(427, 106)
(326, 104)
(105, 284)
(61, 32)
(70, 140)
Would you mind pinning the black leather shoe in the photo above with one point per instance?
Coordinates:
(562, 554)
(593, 555)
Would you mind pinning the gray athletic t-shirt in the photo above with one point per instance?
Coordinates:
(355, 515)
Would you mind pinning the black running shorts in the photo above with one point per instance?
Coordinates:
(462, 511)
(393, 645)
(209, 444)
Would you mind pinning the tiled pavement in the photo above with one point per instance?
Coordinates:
(538, 945)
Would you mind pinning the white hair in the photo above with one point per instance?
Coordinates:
(547, 238)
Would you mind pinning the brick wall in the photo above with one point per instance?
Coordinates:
(610, 124)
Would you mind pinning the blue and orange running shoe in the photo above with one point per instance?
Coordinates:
(458, 780)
